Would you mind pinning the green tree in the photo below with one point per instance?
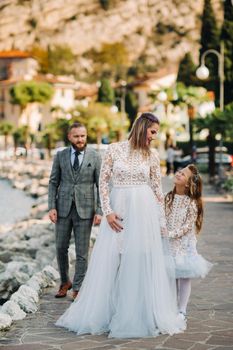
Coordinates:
(61, 60)
(131, 106)
(106, 4)
(23, 136)
(227, 38)
(61, 126)
(187, 71)
(49, 137)
(106, 92)
(111, 61)
(27, 92)
(41, 55)
(219, 122)
(6, 129)
(57, 60)
(227, 115)
(210, 39)
(100, 121)
(16, 134)
(99, 126)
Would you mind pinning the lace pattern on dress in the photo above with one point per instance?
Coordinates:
(125, 168)
(181, 219)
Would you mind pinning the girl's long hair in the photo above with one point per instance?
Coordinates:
(194, 191)
(138, 134)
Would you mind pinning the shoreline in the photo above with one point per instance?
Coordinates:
(27, 247)
(27, 250)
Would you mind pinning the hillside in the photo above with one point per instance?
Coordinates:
(154, 33)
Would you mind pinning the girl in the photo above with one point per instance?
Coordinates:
(184, 214)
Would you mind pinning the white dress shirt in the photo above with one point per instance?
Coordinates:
(80, 156)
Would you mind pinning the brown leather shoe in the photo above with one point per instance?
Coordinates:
(74, 294)
(63, 290)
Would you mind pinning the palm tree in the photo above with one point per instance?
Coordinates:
(99, 126)
(6, 129)
(16, 137)
(49, 137)
(219, 122)
(100, 119)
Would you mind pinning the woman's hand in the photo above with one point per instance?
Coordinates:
(164, 232)
(113, 221)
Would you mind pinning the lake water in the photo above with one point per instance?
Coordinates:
(15, 205)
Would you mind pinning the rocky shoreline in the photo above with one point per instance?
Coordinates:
(27, 248)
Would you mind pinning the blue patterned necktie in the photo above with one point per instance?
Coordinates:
(76, 161)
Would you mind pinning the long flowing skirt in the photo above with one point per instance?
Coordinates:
(129, 289)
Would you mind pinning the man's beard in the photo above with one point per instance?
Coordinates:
(75, 146)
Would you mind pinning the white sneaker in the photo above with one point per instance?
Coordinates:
(183, 320)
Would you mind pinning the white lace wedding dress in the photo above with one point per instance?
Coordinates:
(181, 219)
(129, 288)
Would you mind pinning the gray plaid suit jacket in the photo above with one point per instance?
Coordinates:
(65, 185)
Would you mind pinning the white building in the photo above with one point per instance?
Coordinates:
(17, 66)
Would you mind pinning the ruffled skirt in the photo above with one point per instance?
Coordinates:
(191, 266)
(129, 289)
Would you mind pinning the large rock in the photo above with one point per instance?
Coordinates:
(2, 267)
(13, 310)
(34, 283)
(26, 298)
(6, 256)
(43, 279)
(10, 282)
(5, 321)
(51, 273)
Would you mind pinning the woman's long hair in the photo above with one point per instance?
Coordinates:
(138, 133)
(194, 191)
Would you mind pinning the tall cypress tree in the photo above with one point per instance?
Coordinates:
(106, 92)
(187, 71)
(210, 39)
(131, 106)
(227, 38)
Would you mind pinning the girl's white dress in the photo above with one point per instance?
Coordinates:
(181, 218)
(129, 288)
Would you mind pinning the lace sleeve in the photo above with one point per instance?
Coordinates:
(155, 180)
(105, 175)
(188, 223)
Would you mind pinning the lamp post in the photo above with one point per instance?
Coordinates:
(191, 115)
(203, 73)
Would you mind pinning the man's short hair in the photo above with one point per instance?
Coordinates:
(76, 125)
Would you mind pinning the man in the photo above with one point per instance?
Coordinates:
(72, 204)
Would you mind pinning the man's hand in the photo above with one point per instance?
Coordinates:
(113, 221)
(97, 219)
(53, 215)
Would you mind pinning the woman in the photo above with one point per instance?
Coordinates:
(129, 290)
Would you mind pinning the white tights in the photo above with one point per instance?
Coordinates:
(183, 286)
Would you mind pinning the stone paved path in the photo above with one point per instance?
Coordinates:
(210, 312)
